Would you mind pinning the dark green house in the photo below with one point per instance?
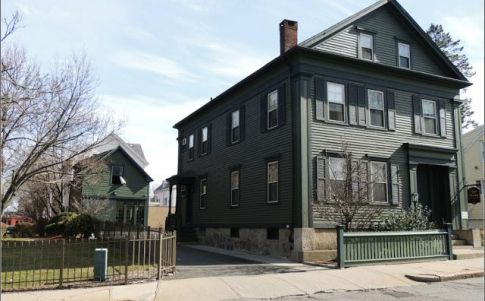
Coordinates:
(254, 163)
(115, 187)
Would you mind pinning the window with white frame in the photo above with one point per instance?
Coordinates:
(404, 52)
(203, 193)
(117, 175)
(337, 175)
(235, 188)
(272, 182)
(203, 140)
(191, 146)
(376, 107)
(235, 127)
(366, 44)
(336, 101)
(272, 111)
(378, 181)
(430, 116)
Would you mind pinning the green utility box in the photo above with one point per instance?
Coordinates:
(100, 264)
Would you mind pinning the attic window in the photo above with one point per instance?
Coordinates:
(404, 55)
(366, 46)
(117, 175)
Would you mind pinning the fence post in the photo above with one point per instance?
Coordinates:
(127, 248)
(450, 242)
(61, 271)
(160, 244)
(340, 247)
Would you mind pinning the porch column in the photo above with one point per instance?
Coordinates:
(170, 198)
(454, 199)
(413, 183)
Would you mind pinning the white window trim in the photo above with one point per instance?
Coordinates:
(343, 104)
(435, 117)
(399, 55)
(191, 147)
(384, 115)
(238, 184)
(360, 46)
(202, 141)
(233, 127)
(269, 111)
(204, 180)
(372, 183)
(277, 182)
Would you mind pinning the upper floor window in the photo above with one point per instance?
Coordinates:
(191, 146)
(272, 182)
(376, 107)
(117, 175)
(235, 127)
(378, 181)
(430, 116)
(336, 101)
(366, 44)
(204, 136)
(203, 193)
(235, 188)
(272, 111)
(404, 52)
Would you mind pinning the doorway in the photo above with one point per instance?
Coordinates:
(433, 191)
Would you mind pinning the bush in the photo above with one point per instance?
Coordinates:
(82, 224)
(417, 217)
(25, 230)
(57, 224)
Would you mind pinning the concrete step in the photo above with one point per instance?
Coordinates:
(458, 242)
(467, 252)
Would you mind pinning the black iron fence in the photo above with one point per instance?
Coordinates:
(69, 263)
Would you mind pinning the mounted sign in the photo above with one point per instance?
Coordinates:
(473, 195)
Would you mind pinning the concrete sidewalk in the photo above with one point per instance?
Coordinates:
(264, 286)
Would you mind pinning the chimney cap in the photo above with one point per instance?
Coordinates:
(289, 23)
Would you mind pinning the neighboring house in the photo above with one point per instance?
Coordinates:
(116, 186)
(253, 168)
(14, 219)
(474, 154)
(159, 205)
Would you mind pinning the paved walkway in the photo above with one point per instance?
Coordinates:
(262, 286)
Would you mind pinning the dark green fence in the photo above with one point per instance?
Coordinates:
(369, 247)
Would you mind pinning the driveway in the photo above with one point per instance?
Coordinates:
(194, 263)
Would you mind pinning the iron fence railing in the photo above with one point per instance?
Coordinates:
(369, 247)
(67, 263)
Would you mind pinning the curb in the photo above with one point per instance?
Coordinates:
(440, 278)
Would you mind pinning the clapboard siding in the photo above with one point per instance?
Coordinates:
(387, 26)
(250, 154)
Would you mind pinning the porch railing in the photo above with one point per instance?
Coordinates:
(368, 247)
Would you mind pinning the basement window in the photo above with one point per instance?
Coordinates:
(272, 234)
(235, 232)
(117, 175)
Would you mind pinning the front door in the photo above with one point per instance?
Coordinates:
(433, 192)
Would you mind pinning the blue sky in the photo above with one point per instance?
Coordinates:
(156, 61)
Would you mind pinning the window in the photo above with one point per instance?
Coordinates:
(203, 194)
(336, 101)
(429, 115)
(117, 175)
(235, 232)
(404, 52)
(235, 188)
(272, 182)
(379, 181)
(203, 140)
(184, 142)
(272, 233)
(376, 107)
(235, 128)
(191, 147)
(272, 111)
(337, 175)
(366, 42)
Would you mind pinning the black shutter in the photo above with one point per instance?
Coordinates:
(282, 105)
(228, 129)
(319, 99)
(242, 123)
(353, 101)
(362, 102)
(391, 110)
(209, 138)
(320, 178)
(263, 112)
(442, 112)
(418, 128)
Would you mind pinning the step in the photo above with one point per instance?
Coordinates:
(458, 242)
(466, 252)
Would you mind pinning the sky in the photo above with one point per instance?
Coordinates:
(157, 61)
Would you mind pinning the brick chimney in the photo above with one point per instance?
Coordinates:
(288, 35)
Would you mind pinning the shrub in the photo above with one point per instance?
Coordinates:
(25, 230)
(417, 217)
(57, 224)
(81, 224)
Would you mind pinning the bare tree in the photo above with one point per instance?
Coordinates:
(49, 120)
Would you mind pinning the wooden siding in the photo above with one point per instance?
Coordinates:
(249, 155)
(387, 27)
(100, 185)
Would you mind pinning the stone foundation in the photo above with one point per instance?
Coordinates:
(313, 244)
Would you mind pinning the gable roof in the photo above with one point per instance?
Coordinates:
(122, 148)
(134, 150)
(403, 13)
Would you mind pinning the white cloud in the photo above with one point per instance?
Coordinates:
(155, 64)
